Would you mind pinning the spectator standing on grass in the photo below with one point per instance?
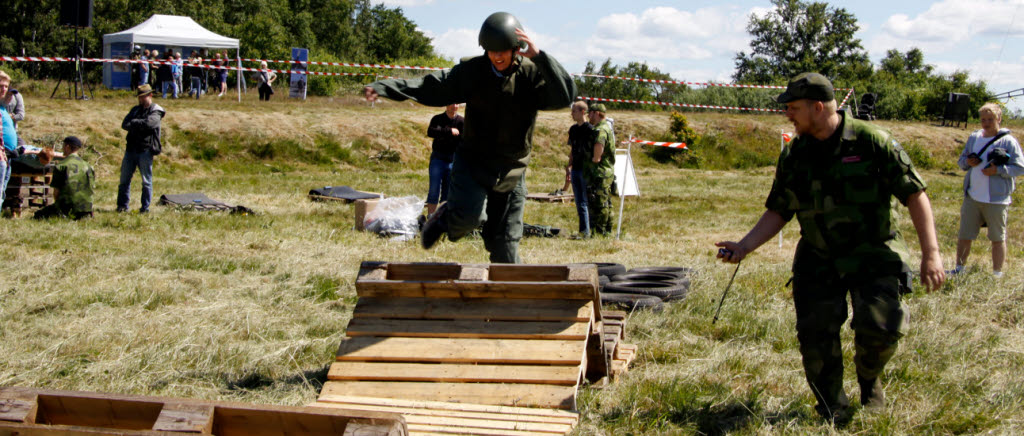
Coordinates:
(838, 177)
(446, 129)
(265, 79)
(214, 74)
(143, 142)
(195, 72)
(222, 74)
(8, 138)
(15, 105)
(992, 159)
(165, 75)
(178, 70)
(143, 69)
(601, 171)
(503, 90)
(73, 182)
(581, 152)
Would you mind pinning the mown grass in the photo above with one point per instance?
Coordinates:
(252, 308)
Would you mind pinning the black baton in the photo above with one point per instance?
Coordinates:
(725, 252)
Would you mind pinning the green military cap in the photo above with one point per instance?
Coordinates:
(597, 107)
(811, 86)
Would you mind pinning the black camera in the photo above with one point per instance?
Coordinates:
(998, 157)
(974, 156)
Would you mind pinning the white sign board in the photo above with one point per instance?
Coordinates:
(625, 177)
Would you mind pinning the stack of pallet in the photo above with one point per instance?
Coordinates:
(26, 411)
(473, 349)
(29, 189)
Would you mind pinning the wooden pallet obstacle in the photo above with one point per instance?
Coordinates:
(51, 412)
(29, 190)
(471, 349)
(548, 198)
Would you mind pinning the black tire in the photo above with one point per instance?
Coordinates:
(609, 269)
(664, 290)
(648, 277)
(602, 281)
(632, 302)
(678, 271)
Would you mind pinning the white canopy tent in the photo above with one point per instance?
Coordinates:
(160, 32)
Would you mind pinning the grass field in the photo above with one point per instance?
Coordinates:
(252, 308)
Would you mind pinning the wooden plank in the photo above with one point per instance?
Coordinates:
(615, 314)
(474, 289)
(551, 396)
(456, 373)
(527, 413)
(563, 330)
(185, 418)
(569, 421)
(469, 425)
(496, 309)
(509, 351)
(18, 406)
(448, 431)
(528, 273)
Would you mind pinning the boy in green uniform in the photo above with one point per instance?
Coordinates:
(503, 90)
(600, 172)
(72, 184)
(839, 178)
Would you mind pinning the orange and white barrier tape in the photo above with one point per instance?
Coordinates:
(786, 137)
(699, 106)
(348, 64)
(724, 85)
(183, 64)
(848, 95)
(658, 144)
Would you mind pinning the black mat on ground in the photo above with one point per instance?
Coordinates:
(199, 201)
(345, 193)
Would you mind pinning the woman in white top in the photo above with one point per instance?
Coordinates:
(266, 82)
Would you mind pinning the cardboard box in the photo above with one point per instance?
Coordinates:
(362, 208)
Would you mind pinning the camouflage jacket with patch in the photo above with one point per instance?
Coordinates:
(841, 191)
(74, 179)
(605, 135)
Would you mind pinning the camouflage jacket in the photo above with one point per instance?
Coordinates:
(74, 179)
(841, 191)
(605, 135)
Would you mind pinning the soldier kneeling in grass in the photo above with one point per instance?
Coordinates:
(72, 184)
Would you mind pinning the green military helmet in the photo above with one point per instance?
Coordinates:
(499, 32)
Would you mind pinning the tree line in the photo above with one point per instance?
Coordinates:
(349, 30)
(796, 37)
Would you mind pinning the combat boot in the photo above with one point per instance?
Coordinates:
(871, 393)
(435, 226)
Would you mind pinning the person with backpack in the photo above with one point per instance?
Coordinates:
(992, 159)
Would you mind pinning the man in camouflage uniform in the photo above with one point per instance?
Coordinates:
(600, 173)
(503, 90)
(72, 184)
(839, 177)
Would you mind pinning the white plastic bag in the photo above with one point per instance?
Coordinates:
(395, 216)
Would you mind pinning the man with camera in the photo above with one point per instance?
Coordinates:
(992, 158)
(838, 177)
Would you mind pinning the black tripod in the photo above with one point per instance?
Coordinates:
(75, 80)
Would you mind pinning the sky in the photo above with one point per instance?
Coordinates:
(697, 40)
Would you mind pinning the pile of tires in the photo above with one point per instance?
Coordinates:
(642, 288)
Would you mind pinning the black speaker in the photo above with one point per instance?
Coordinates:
(76, 13)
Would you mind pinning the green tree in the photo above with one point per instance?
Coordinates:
(797, 37)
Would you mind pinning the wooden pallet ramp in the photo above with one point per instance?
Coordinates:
(471, 349)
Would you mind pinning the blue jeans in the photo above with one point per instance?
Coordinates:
(579, 194)
(197, 87)
(143, 78)
(144, 162)
(440, 175)
(170, 84)
(5, 176)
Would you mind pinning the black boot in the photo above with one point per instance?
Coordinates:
(871, 394)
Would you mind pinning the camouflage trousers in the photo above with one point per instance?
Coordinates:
(599, 202)
(821, 311)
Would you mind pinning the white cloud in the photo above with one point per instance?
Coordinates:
(957, 21)
(456, 43)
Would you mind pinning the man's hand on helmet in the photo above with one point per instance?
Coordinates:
(531, 48)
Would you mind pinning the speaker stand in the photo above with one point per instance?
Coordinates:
(76, 79)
